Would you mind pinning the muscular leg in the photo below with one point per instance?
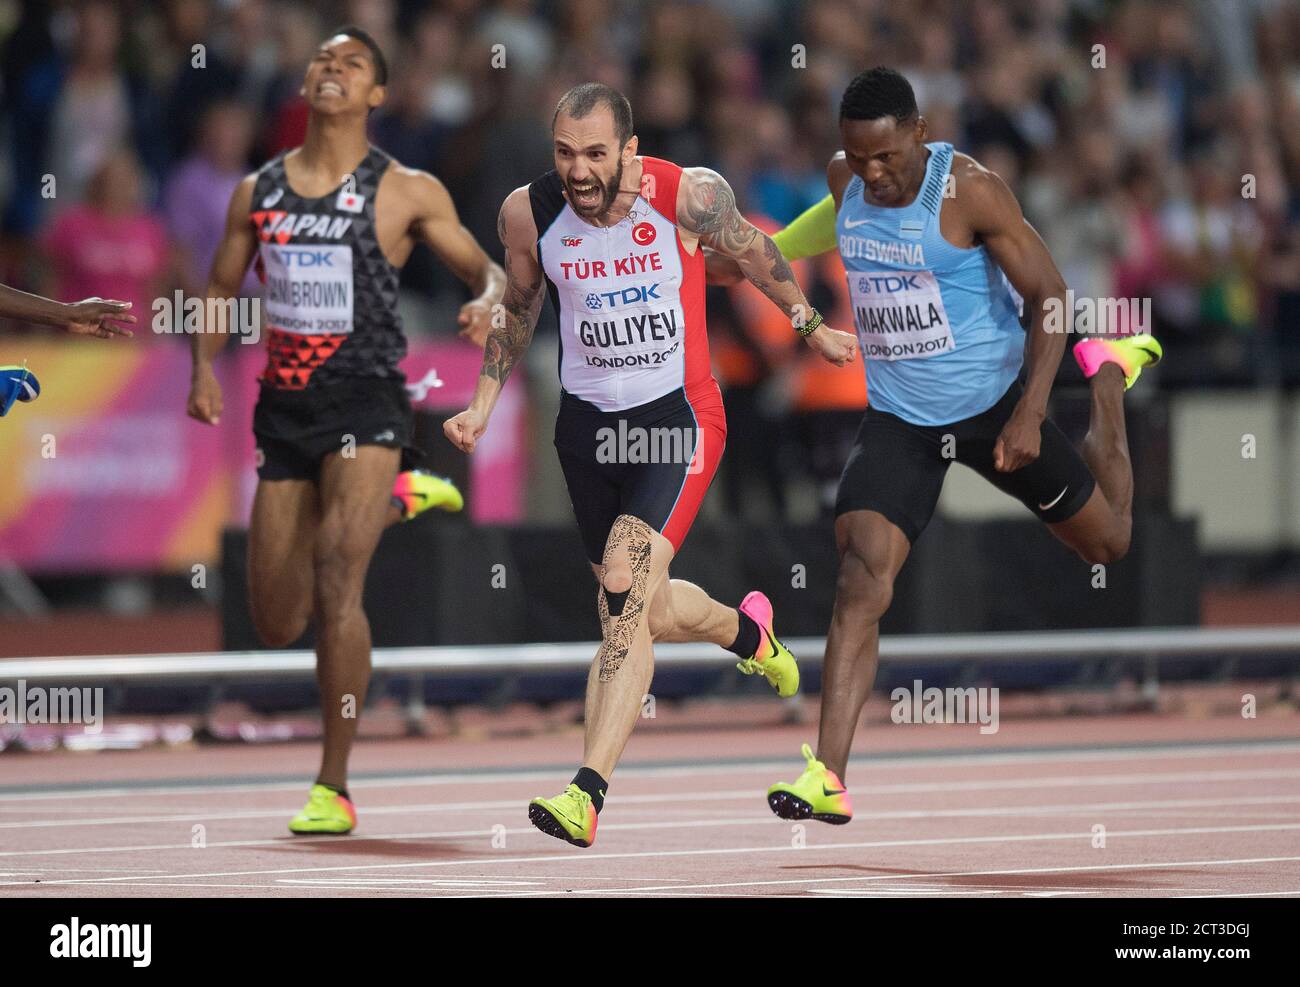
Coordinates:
(1100, 532)
(634, 566)
(354, 496)
(681, 611)
(872, 550)
(280, 538)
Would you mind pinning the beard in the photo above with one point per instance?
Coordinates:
(608, 193)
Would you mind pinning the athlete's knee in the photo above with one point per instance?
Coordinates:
(339, 578)
(625, 568)
(864, 589)
(617, 578)
(279, 609)
(277, 628)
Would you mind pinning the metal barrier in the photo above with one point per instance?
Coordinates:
(1150, 644)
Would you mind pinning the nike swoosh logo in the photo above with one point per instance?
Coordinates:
(1052, 503)
(1155, 357)
(832, 791)
(851, 225)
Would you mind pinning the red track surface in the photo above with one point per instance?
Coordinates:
(1190, 806)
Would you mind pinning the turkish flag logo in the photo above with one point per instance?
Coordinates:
(643, 234)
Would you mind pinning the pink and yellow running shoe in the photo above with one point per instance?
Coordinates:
(416, 491)
(326, 811)
(1130, 353)
(817, 794)
(773, 659)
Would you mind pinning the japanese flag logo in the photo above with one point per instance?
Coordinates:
(350, 201)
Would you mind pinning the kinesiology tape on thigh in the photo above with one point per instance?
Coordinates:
(620, 612)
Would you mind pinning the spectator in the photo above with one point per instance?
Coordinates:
(111, 245)
(198, 193)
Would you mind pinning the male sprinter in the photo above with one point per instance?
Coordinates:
(332, 222)
(943, 349)
(617, 240)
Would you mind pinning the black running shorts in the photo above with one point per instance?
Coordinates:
(296, 429)
(897, 468)
(653, 462)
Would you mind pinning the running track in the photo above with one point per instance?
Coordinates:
(1190, 806)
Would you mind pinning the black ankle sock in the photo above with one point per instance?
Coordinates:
(747, 637)
(594, 785)
(336, 790)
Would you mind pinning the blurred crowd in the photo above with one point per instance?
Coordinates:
(1155, 144)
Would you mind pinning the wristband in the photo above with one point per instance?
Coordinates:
(810, 327)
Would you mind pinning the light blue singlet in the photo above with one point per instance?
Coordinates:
(938, 325)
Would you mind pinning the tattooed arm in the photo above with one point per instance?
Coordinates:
(706, 210)
(512, 324)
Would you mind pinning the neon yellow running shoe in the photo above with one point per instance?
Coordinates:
(818, 794)
(569, 816)
(1131, 353)
(418, 491)
(326, 811)
(773, 659)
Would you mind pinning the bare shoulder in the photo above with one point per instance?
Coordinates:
(241, 203)
(416, 186)
(705, 202)
(243, 194)
(515, 224)
(980, 191)
(699, 183)
(838, 176)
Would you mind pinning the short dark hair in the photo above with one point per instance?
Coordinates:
(376, 54)
(878, 92)
(581, 100)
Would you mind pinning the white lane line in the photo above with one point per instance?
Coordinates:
(1244, 894)
(240, 890)
(1062, 809)
(911, 788)
(386, 882)
(783, 847)
(743, 794)
(899, 892)
(296, 842)
(957, 873)
(887, 761)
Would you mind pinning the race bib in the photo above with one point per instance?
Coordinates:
(626, 328)
(899, 315)
(308, 288)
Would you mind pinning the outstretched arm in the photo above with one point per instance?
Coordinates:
(706, 208)
(512, 322)
(91, 317)
(438, 225)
